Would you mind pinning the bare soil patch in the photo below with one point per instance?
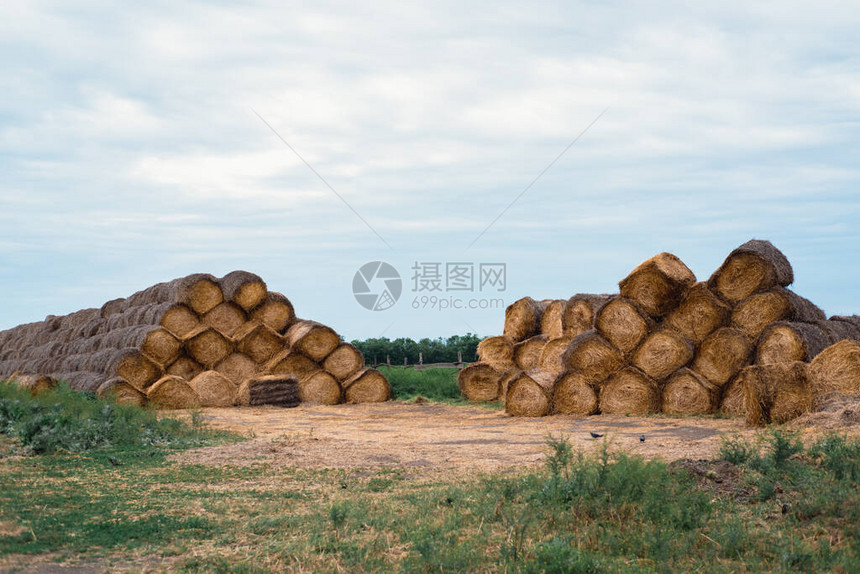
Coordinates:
(438, 436)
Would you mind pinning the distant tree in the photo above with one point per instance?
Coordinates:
(437, 350)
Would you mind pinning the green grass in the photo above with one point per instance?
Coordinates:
(63, 420)
(781, 508)
(434, 384)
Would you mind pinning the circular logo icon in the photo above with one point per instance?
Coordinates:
(377, 286)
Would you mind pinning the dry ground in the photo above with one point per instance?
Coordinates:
(438, 436)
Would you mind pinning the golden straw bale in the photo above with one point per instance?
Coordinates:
(225, 318)
(757, 311)
(722, 355)
(344, 361)
(593, 356)
(836, 369)
(122, 392)
(207, 346)
(479, 382)
(658, 284)
(172, 392)
(572, 395)
(699, 314)
(786, 341)
(184, 367)
(237, 367)
(277, 390)
(200, 292)
(527, 353)
(497, 351)
(579, 312)
(551, 355)
(81, 380)
(775, 393)
(258, 341)
(214, 389)
(312, 339)
(366, 386)
(522, 319)
(837, 328)
(180, 320)
(289, 362)
(530, 394)
(753, 267)
(505, 380)
(275, 312)
(629, 392)
(319, 387)
(662, 353)
(113, 307)
(245, 289)
(551, 319)
(688, 393)
(622, 323)
(36, 384)
(732, 401)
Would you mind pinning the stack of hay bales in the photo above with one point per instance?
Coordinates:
(194, 341)
(741, 343)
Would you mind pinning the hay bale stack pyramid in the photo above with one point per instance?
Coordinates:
(741, 343)
(195, 341)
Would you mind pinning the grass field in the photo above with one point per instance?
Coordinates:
(772, 505)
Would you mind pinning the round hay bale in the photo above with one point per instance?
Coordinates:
(319, 387)
(658, 284)
(551, 355)
(130, 364)
(237, 367)
(200, 292)
(344, 362)
(757, 311)
(522, 319)
(245, 289)
(732, 401)
(785, 341)
(593, 356)
(312, 339)
(579, 312)
(551, 319)
(120, 391)
(775, 393)
(214, 389)
(688, 393)
(497, 351)
(112, 307)
(291, 363)
(207, 346)
(530, 394)
(629, 392)
(572, 395)
(505, 380)
(479, 382)
(225, 318)
(171, 392)
(184, 367)
(276, 312)
(527, 353)
(277, 390)
(179, 320)
(662, 353)
(699, 314)
(622, 323)
(161, 346)
(722, 355)
(258, 341)
(81, 380)
(36, 384)
(836, 369)
(838, 329)
(751, 268)
(367, 386)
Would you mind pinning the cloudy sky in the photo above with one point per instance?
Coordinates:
(147, 143)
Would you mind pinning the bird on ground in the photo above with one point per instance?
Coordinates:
(595, 434)
(641, 438)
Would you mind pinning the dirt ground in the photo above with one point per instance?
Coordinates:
(438, 436)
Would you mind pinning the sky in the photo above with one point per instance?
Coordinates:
(564, 142)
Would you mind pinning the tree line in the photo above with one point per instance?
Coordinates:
(440, 350)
